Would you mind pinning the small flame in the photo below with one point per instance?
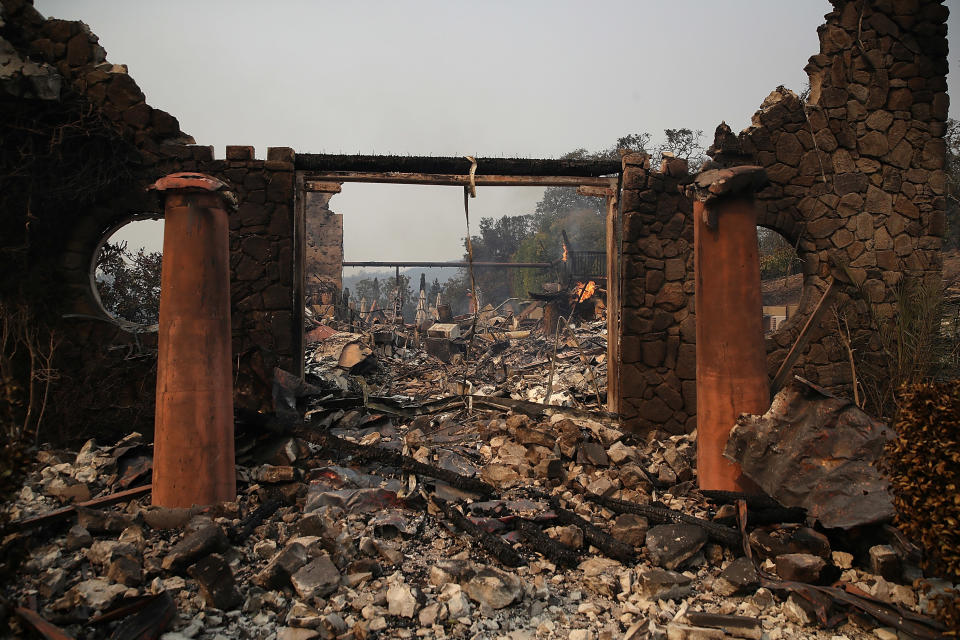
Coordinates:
(584, 291)
(564, 253)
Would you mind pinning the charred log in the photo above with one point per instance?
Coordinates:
(660, 514)
(491, 543)
(602, 540)
(558, 552)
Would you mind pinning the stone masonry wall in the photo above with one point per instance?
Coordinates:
(323, 239)
(59, 58)
(658, 370)
(857, 170)
(857, 183)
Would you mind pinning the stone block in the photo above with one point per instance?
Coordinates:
(280, 154)
(240, 152)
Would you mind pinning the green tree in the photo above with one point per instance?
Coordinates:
(435, 290)
(369, 290)
(128, 283)
(778, 257)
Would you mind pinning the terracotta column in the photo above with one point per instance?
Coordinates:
(731, 356)
(193, 461)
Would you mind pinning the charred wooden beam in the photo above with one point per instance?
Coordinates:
(243, 531)
(717, 532)
(557, 552)
(602, 540)
(63, 512)
(493, 544)
(34, 621)
(391, 458)
(327, 162)
(317, 181)
(151, 620)
(753, 500)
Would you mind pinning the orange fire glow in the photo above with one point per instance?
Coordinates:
(584, 291)
(564, 253)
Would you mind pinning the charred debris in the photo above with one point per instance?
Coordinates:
(406, 489)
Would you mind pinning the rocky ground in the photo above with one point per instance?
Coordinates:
(469, 520)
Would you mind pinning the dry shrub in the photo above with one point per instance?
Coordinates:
(923, 465)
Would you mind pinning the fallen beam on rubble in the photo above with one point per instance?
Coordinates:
(41, 626)
(491, 543)
(663, 515)
(455, 180)
(329, 162)
(449, 263)
(610, 546)
(149, 621)
(58, 514)
(383, 456)
(558, 553)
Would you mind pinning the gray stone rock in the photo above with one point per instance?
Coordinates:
(885, 562)
(277, 573)
(593, 453)
(205, 539)
(96, 521)
(401, 601)
(453, 570)
(799, 567)
(660, 584)
(78, 537)
(296, 633)
(102, 552)
(97, 593)
(125, 570)
(217, 584)
(458, 605)
(168, 517)
(494, 588)
(738, 578)
(669, 545)
(316, 579)
(630, 528)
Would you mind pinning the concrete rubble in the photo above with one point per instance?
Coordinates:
(397, 519)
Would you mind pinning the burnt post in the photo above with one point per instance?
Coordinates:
(193, 462)
(731, 357)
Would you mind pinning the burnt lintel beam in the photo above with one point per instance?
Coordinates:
(325, 163)
(460, 264)
(321, 181)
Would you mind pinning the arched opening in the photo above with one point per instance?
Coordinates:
(781, 278)
(125, 271)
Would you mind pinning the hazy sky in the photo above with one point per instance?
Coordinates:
(492, 78)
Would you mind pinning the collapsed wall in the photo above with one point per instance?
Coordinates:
(50, 71)
(323, 242)
(857, 184)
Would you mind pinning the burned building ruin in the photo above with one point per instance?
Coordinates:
(856, 181)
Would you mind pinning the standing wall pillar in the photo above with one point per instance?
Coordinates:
(193, 461)
(731, 356)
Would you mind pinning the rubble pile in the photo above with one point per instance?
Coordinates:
(509, 356)
(480, 523)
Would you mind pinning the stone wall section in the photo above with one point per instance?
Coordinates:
(267, 313)
(657, 342)
(857, 170)
(323, 250)
(857, 184)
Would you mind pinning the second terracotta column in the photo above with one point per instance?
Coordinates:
(731, 356)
